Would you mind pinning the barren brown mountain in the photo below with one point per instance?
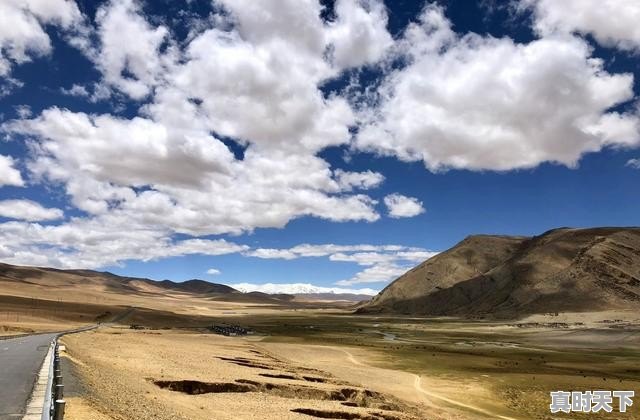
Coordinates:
(560, 270)
(47, 298)
(51, 277)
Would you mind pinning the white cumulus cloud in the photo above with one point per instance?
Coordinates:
(271, 253)
(9, 175)
(28, 210)
(358, 180)
(213, 272)
(611, 22)
(258, 81)
(383, 272)
(22, 28)
(633, 163)
(99, 242)
(372, 258)
(383, 262)
(23, 111)
(359, 35)
(400, 205)
(479, 102)
(129, 56)
(323, 250)
(75, 90)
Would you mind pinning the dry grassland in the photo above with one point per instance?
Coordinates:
(306, 364)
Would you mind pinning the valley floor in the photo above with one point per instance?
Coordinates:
(305, 364)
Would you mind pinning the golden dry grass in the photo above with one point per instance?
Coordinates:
(438, 368)
(122, 370)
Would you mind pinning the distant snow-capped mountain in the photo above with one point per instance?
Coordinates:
(299, 289)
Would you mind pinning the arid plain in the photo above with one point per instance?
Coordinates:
(326, 364)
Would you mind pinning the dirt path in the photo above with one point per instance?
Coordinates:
(120, 317)
(418, 387)
(350, 356)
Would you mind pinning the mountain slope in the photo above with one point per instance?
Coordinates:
(197, 286)
(471, 257)
(561, 270)
(85, 285)
(105, 281)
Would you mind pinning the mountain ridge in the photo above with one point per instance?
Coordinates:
(107, 281)
(46, 276)
(564, 269)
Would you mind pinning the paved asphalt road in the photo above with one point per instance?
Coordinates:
(20, 362)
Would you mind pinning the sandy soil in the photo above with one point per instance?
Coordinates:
(231, 378)
(79, 408)
(30, 325)
(401, 369)
(433, 394)
(55, 303)
(589, 319)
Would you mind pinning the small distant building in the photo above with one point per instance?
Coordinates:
(230, 330)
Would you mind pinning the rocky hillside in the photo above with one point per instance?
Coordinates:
(560, 270)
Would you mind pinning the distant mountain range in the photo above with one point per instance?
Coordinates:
(506, 276)
(42, 276)
(309, 291)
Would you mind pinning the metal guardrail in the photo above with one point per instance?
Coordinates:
(47, 398)
(54, 403)
(48, 406)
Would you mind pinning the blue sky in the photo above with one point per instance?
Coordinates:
(335, 144)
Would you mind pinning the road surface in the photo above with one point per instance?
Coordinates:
(20, 362)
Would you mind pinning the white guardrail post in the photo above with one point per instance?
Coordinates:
(54, 403)
(40, 405)
(47, 409)
(47, 399)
